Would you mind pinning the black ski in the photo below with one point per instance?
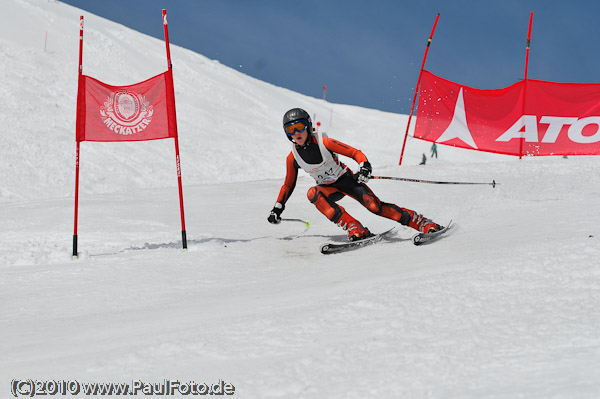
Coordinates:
(424, 238)
(334, 248)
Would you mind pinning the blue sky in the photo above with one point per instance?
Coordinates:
(368, 52)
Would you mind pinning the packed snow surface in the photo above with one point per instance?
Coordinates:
(506, 305)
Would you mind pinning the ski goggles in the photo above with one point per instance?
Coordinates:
(296, 126)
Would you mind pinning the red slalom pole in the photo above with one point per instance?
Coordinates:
(177, 159)
(324, 92)
(166, 30)
(79, 81)
(525, 79)
(417, 88)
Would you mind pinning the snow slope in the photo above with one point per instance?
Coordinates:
(505, 306)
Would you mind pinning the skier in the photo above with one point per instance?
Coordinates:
(434, 150)
(316, 154)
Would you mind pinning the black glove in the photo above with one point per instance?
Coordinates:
(364, 173)
(275, 216)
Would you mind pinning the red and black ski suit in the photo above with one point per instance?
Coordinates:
(325, 196)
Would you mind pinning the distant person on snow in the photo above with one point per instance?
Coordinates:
(434, 150)
(316, 155)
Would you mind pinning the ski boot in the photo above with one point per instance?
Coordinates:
(356, 231)
(422, 224)
(430, 227)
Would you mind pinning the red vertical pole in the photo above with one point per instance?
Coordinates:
(177, 159)
(525, 79)
(417, 88)
(80, 73)
(324, 92)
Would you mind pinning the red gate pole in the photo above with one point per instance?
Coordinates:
(79, 79)
(525, 79)
(177, 159)
(417, 88)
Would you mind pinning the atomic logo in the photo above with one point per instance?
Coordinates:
(458, 128)
(126, 112)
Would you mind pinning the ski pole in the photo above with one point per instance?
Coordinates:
(306, 222)
(493, 183)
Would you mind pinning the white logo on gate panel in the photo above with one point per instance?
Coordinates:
(458, 128)
(126, 112)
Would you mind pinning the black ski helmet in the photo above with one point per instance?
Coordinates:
(296, 114)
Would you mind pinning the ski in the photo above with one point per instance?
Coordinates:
(333, 248)
(424, 238)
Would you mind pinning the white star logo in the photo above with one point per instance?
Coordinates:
(458, 128)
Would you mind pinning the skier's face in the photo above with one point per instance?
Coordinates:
(297, 130)
(300, 137)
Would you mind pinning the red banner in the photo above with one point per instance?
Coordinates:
(143, 111)
(529, 118)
